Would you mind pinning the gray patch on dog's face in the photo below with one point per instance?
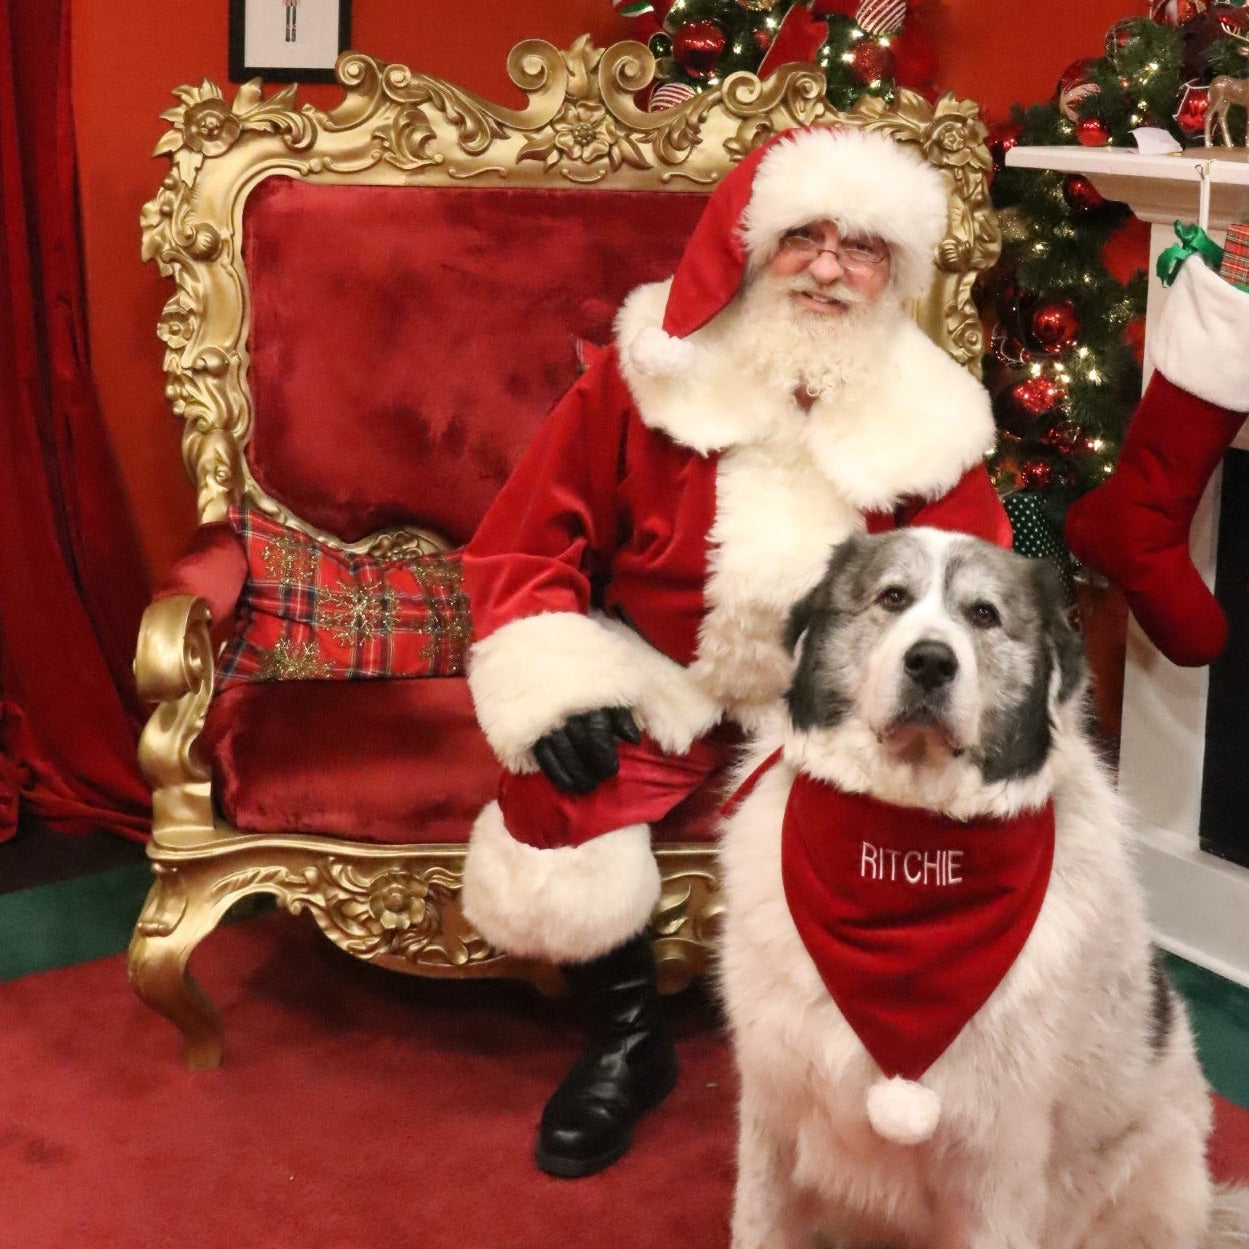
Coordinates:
(1161, 1006)
(1007, 609)
(1018, 730)
(830, 618)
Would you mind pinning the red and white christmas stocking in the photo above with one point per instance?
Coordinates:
(1135, 527)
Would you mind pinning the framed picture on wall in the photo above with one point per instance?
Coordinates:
(287, 40)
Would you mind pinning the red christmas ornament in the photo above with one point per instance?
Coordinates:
(1092, 132)
(871, 61)
(1037, 474)
(1081, 195)
(1030, 400)
(1075, 84)
(1190, 116)
(697, 47)
(763, 38)
(1176, 12)
(1121, 34)
(1055, 325)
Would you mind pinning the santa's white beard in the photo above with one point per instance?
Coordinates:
(771, 332)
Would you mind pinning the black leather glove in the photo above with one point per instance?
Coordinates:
(581, 753)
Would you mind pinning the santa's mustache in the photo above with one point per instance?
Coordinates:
(839, 290)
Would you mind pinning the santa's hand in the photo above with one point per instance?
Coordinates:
(581, 753)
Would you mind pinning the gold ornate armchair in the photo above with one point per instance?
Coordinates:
(372, 309)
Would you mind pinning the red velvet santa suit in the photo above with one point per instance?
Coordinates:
(645, 554)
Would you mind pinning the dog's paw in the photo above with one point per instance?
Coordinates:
(903, 1111)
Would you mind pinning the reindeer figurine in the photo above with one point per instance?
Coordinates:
(1224, 92)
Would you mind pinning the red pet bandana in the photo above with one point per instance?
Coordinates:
(911, 918)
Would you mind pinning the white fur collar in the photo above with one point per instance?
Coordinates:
(914, 428)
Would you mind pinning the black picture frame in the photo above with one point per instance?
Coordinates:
(320, 70)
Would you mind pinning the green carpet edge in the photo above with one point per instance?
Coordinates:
(1219, 1010)
(70, 921)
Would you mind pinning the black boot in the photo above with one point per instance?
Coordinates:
(629, 1065)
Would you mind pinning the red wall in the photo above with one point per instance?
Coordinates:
(128, 54)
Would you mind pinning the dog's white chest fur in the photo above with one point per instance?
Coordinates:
(1073, 1114)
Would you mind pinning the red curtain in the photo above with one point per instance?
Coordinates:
(72, 582)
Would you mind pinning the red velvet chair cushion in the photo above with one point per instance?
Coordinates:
(309, 611)
(379, 761)
(405, 342)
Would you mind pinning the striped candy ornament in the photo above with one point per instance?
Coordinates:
(669, 95)
(881, 17)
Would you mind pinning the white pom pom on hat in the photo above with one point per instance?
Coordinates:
(903, 1111)
(861, 180)
(655, 353)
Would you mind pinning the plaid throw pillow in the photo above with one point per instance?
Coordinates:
(310, 612)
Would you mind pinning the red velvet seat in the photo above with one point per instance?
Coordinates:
(380, 761)
(372, 310)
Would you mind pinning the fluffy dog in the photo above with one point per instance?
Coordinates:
(950, 1028)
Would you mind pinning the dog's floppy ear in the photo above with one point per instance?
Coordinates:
(1065, 647)
(810, 702)
(804, 611)
(800, 616)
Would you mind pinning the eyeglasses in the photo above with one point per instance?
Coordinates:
(853, 254)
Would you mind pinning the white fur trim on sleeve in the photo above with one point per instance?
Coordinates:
(564, 905)
(1199, 342)
(531, 675)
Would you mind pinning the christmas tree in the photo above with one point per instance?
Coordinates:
(863, 46)
(1066, 336)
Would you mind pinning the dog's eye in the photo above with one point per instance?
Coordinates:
(894, 598)
(984, 615)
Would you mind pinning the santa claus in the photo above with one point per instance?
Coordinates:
(630, 584)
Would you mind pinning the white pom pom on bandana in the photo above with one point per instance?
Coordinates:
(903, 1111)
(657, 354)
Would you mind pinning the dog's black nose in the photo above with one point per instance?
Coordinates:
(930, 664)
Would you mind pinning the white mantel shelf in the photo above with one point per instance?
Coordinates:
(1160, 189)
(1199, 904)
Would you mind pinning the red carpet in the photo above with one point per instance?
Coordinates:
(356, 1109)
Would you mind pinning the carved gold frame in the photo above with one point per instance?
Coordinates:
(398, 906)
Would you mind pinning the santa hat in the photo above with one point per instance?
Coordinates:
(862, 181)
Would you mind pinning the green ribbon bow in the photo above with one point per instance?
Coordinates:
(1194, 241)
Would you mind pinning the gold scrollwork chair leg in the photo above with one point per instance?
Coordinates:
(173, 922)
